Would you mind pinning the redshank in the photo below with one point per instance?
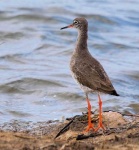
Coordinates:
(88, 72)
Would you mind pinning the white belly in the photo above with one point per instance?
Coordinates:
(84, 88)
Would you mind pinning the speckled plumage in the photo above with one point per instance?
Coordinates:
(86, 70)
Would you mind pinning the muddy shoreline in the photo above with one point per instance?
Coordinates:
(122, 133)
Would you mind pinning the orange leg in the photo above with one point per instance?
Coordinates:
(100, 115)
(90, 125)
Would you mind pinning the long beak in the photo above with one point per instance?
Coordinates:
(70, 26)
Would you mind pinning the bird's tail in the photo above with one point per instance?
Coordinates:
(114, 93)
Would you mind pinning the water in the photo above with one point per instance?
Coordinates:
(36, 84)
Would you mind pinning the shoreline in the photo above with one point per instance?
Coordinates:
(122, 133)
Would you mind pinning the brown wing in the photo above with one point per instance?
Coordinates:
(92, 75)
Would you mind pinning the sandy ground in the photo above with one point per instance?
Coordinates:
(122, 133)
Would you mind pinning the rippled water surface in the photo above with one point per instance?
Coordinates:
(36, 84)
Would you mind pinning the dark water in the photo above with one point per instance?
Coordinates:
(36, 84)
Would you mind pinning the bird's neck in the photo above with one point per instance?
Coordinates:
(81, 40)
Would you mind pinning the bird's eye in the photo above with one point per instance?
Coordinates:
(75, 22)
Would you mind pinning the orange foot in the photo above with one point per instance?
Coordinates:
(100, 115)
(100, 126)
(89, 127)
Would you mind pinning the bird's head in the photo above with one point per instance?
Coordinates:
(78, 23)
